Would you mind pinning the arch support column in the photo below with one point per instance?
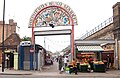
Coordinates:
(116, 31)
(73, 42)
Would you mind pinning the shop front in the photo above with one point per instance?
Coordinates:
(109, 51)
(89, 51)
(86, 54)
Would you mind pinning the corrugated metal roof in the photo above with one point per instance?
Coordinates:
(90, 48)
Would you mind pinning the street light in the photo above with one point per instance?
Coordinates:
(3, 55)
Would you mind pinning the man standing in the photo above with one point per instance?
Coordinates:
(65, 61)
(108, 61)
(60, 62)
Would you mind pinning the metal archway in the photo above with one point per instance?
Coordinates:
(55, 13)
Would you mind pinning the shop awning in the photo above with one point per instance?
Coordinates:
(90, 48)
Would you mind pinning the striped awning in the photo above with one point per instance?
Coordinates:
(90, 48)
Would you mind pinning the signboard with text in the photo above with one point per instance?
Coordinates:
(55, 13)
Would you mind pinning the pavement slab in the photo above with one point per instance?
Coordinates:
(52, 72)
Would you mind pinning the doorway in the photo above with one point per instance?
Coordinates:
(9, 59)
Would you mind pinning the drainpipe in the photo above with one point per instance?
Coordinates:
(116, 55)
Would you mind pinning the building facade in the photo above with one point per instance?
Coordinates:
(8, 30)
(110, 31)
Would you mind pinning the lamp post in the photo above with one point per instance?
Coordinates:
(3, 55)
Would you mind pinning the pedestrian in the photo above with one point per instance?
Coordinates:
(108, 62)
(7, 58)
(90, 61)
(78, 64)
(105, 63)
(74, 69)
(60, 62)
(57, 59)
(66, 61)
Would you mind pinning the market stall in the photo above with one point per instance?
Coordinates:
(89, 51)
(84, 67)
(87, 54)
(99, 66)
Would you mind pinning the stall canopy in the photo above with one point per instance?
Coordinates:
(90, 48)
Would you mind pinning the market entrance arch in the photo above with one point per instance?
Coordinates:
(53, 14)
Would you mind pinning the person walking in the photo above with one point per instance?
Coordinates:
(60, 62)
(65, 61)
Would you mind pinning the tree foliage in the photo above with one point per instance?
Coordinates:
(26, 38)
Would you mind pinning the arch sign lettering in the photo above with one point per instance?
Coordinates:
(55, 13)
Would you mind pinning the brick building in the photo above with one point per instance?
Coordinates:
(110, 29)
(8, 30)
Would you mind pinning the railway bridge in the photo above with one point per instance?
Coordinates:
(108, 30)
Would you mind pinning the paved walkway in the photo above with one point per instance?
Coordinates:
(52, 70)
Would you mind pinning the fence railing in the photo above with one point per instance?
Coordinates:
(99, 27)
